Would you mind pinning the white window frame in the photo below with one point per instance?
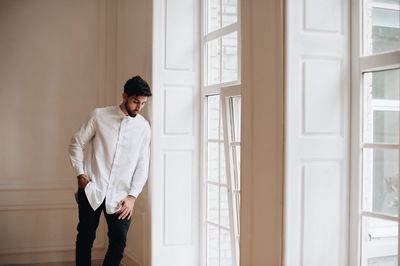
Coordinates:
(362, 64)
(234, 220)
(223, 89)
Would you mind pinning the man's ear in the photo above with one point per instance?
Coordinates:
(124, 96)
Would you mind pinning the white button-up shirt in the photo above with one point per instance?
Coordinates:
(117, 158)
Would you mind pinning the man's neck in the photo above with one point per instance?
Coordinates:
(123, 109)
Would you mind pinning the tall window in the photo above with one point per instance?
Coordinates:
(221, 139)
(377, 82)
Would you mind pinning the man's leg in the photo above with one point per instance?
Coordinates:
(88, 222)
(117, 232)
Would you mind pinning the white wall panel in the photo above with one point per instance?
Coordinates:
(323, 96)
(321, 214)
(175, 119)
(179, 23)
(317, 128)
(324, 15)
(178, 110)
(178, 203)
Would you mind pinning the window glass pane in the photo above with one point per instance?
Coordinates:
(212, 203)
(386, 126)
(213, 117)
(383, 261)
(381, 180)
(213, 61)
(229, 57)
(381, 106)
(213, 162)
(379, 242)
(221, 126)
(381, 26)
(236, 162)
(235, 103)
(222, 162)
(224, 210)
(229, 12)
(226, 249)
(383, 85)
(213, 15)
(212, 245)
(237, 212)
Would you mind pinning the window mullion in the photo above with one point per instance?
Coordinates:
(380, 216)
(221, 32)
(379, 146)
(377, 62)
(227, 125)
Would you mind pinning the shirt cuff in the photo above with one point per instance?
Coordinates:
(79, 172)
(134, 193)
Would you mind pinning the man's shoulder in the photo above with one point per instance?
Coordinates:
(143, 120)
(100, 111)
(105, 109)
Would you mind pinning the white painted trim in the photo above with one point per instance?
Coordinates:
(216, 184)
(230, 91)
(380, 146)
(214, 141)
(219, 226)
(356, 133)
(203, 182)
(361, 64)
(377, 62)
(388, 6)
(216, 88)
(385, 105)
(203, 141)
(221, 32)
(380, 216)
(227, 92)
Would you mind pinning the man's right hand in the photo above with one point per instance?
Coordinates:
(83, 180)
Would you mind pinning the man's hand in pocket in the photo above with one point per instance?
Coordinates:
(83, 180)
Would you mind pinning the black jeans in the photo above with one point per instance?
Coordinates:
(88, 222)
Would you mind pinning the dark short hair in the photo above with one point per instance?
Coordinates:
(137, 86)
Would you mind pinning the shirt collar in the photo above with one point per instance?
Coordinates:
(120, 111)
(123, 115)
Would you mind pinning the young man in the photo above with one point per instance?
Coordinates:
(114, 171)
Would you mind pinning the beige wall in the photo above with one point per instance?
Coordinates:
(58, 60)
(262, 133)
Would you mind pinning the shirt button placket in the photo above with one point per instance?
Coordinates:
(114, 167)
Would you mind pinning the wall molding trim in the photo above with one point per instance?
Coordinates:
(44, 249)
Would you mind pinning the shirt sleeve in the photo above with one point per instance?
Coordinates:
(78, 141)
(141, 172)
